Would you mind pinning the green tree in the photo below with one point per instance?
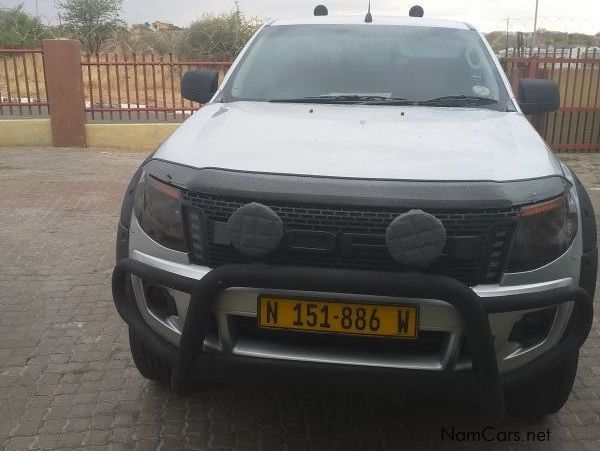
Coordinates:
(91, 21)
(218, 36)
(19, 29)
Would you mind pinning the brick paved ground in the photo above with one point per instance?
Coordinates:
(66, 376)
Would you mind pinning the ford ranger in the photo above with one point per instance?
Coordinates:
(367, 200)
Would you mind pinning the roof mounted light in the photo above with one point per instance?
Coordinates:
(416, 11)
(321, 10)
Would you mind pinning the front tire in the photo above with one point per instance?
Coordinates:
(545, 395)
(150, 365)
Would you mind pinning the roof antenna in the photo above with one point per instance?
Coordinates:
(369, 17)
(321, 10)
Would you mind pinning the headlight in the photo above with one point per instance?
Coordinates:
(157, 207)
(545, 231)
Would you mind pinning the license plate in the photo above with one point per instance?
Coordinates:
(397, 321)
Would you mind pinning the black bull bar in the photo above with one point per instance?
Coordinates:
(472, 308)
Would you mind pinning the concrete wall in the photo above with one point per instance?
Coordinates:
(38, 132)
(25, 132)
(128, 136)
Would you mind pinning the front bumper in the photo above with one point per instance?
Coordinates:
(473, 310)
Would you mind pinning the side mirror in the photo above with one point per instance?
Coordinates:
(538, 95)
(199, 85)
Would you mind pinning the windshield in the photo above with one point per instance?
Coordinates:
(368, 64)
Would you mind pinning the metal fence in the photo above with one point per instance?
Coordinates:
(575, 126)
(139, 86)
(22, 83)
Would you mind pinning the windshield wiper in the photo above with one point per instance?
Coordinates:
(458, 100)
(390, 101)
(350, 98)
(320, 99)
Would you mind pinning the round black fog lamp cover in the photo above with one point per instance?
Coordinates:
(416, 238)
(255, 230)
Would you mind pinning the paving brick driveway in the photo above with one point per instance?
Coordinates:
(66, 376)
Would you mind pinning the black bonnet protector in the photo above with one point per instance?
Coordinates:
(358, 192)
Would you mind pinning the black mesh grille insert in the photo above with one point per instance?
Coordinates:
(487, 233)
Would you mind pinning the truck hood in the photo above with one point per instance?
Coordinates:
(362, 141)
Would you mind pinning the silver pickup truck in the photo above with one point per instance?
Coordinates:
(364, 199)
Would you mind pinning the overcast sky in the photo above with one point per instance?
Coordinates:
(563, 15)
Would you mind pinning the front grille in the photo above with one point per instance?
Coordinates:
(487, 232)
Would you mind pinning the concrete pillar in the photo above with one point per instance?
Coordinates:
(64, 87)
